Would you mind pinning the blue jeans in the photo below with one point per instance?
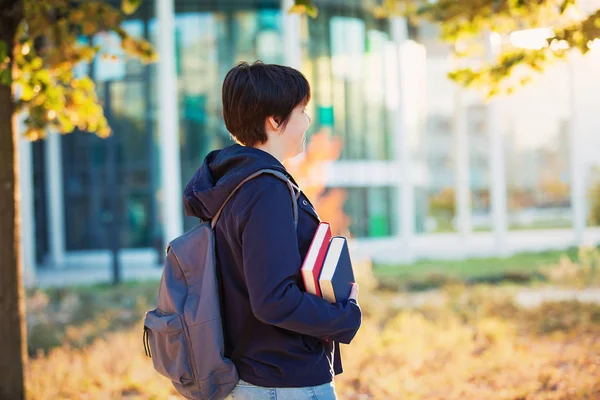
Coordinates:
(247, 391)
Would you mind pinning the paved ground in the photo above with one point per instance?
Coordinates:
(535, 297)
(89, 275)
(96, 274)
(524, 298)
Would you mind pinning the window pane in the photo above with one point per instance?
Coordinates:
(536, 128)
(345, 59)
(124, 89)
(371, 211)
(479, 165)
(209, 45)
(432, 124)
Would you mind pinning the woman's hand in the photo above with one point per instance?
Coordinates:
(354, 292)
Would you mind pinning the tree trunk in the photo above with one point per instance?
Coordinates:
(13, 335)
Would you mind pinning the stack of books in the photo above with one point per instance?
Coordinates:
(327, 269)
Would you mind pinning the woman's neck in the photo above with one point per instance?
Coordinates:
(273, 150)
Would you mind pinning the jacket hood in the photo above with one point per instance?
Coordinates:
(221, 171)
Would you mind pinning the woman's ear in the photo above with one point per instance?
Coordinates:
(273, 123)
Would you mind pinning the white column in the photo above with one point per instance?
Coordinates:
(498, 187)
(402, 149)
(497, 164)
(461, 156)
(168, 124)
(26, 207)
(577, 162)
(291, 36)
(56, 210)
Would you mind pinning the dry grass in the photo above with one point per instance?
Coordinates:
(111, 368)
(477, 345)
(426, 354)
(465, 342)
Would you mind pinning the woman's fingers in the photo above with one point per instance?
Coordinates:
(354, 292)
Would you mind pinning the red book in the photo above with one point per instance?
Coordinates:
(313, 262)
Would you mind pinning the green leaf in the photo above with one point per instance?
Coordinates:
(5, 76)
(129, 6)
(3, 50)
(5, 73)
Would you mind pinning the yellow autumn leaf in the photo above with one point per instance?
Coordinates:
(27, 93)
(129, 6)
(308, 9)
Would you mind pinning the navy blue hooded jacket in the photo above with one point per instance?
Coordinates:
(294, 338)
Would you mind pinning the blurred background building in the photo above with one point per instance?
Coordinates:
(431, 170)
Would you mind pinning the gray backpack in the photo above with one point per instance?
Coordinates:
(184, 334)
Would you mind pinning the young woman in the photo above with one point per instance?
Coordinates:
(290, 338)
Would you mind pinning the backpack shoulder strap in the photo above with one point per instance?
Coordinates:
(279, 175)
(251, 321)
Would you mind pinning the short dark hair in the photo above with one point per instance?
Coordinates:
(253, 92)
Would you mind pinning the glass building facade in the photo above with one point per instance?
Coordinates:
(211, 37)
(380, 85)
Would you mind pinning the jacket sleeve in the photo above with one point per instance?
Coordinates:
(271, 262)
